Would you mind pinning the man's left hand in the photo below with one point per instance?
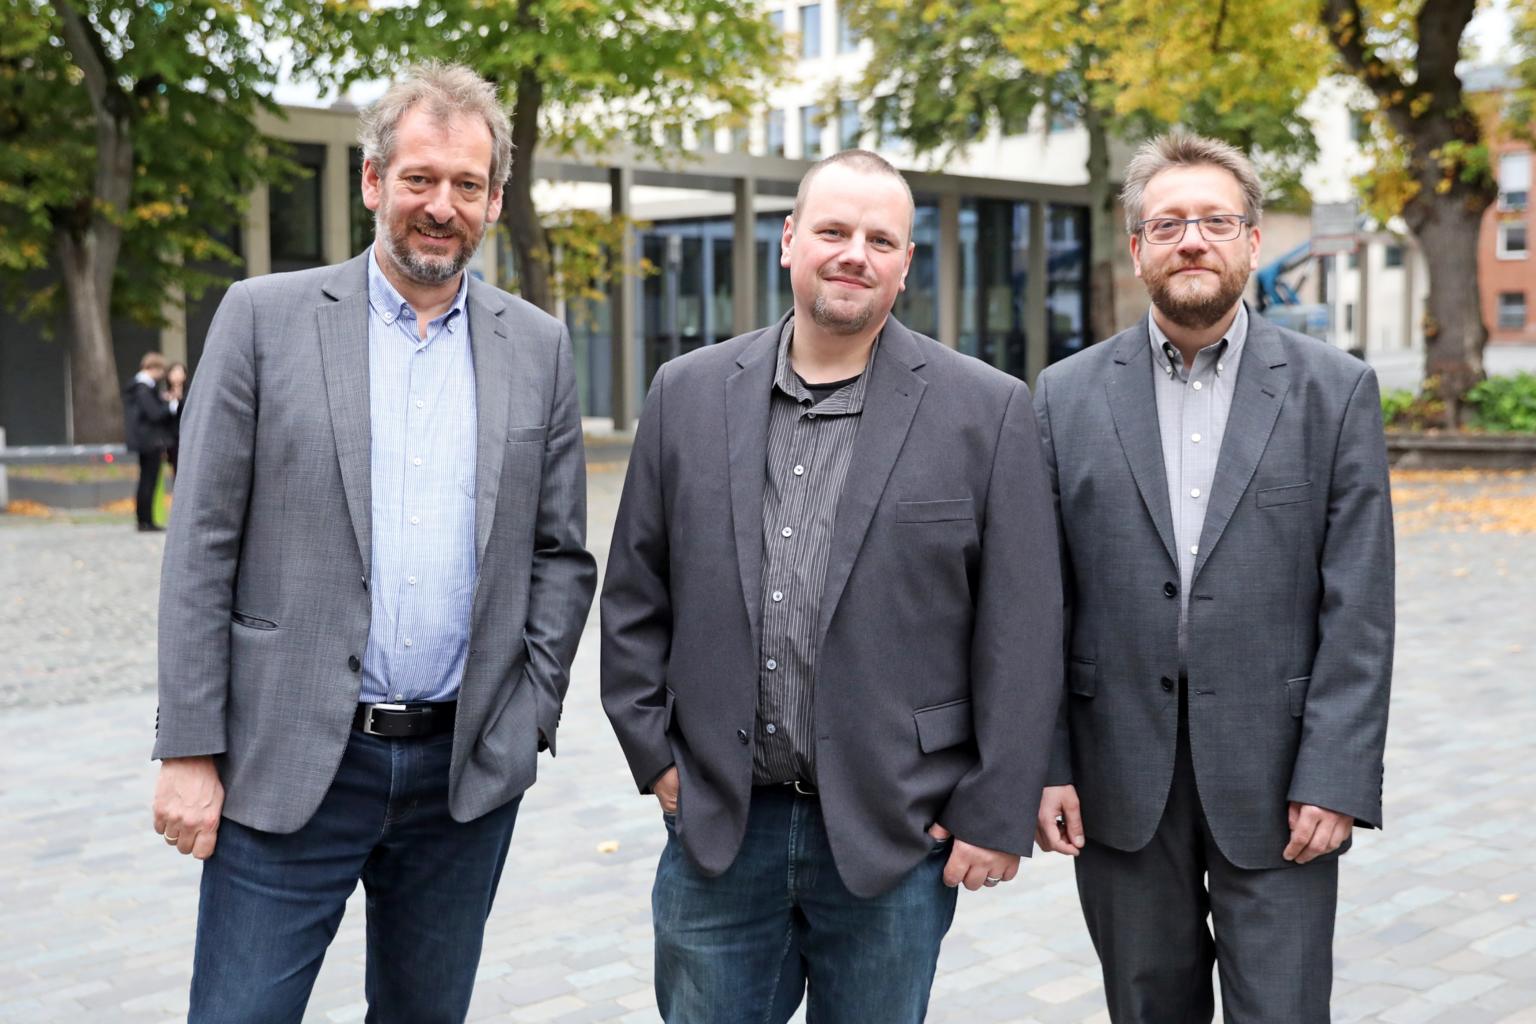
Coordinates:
(1315, 831)
(974, 866)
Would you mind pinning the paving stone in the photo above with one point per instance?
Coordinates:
(99, 915)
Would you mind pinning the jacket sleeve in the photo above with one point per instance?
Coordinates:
(202, 548)
(1016, 644)
(563, 574)
(1059, 772)
(637, 605)
(1344, 726)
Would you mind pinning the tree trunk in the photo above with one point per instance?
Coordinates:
(529, 242)
(1103, 233)
(88, 238)
(93, 384)
(1454, 334)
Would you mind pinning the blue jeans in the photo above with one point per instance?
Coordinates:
(270, 904)
(747, 945)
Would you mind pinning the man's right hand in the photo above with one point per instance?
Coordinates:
(188, 801)
(1059, 826)
(665, 789)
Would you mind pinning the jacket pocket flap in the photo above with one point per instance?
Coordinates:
(1296, 691)
(934, 511)
(944, 725)
(516, 434)
(1288, 495)
(1082, 677)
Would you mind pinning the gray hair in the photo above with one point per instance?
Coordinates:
(1186, 149)
(447, 91)
(857, 160)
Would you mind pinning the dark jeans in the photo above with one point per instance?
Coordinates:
(747, 945)
(271, 904)
(144, 497)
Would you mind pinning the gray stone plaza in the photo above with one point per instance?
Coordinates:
(1437, 918)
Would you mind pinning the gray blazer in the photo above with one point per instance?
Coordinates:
(264, 604)
(938, 672)
(1291, 605)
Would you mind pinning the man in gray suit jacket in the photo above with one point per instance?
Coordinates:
(830, 625)
(1227, 529)
(373, 588)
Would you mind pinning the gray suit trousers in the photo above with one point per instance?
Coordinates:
(1147, 914)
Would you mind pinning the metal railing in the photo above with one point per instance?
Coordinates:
(55, 454)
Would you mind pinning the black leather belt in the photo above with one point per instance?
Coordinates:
(398, 721)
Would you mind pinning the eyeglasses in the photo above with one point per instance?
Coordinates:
(1222, 227)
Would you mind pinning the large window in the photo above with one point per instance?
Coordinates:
(848, 128)
(1512, 240)
(359, 217)
(810, 31)
(1066, 298)
(1512, 311)
(295, 224)
(810, 133)
(847, 35)
(773, 133)
(1514, 180)
(994, 268)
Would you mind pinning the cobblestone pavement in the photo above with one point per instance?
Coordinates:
(1437, 919)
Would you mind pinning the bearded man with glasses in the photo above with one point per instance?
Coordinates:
(1227, 553)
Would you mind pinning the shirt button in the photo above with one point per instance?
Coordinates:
(1196, 385)
(787, 531)
(407, 641)
(1194, 549)
(1195, 438)
(799, 471)
(770, 664)
(389, 318)
(1221, 366)
(810, 415)
(411, 580)
(420, 404)
(416, 461)
(415, 520)
(770, 728)
(778, 595)
(1194, 492)
(399, 696)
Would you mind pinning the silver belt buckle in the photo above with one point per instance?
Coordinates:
(368, 716)
(800, 788)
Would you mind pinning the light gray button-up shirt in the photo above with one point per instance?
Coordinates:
(1192, 409)
(421, 402)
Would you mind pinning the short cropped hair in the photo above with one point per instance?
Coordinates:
(446, 91)
(1186, 149)
(151, 361)
(857, 160)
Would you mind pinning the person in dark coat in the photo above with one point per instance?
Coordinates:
(149, 421)
(176, 395)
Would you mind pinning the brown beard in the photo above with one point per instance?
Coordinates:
(1195, 312)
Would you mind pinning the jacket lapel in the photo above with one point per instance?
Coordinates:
(343, 323)
(1133, 405)
(890, 402)
(491, 349)
(747, 394)
(1262, 381)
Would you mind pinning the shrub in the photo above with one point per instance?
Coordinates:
(1503, 404)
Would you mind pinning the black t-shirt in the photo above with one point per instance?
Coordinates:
(821, 392)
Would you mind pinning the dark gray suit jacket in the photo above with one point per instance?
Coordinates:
(264, 603)
(1291, 605)
(938, 673)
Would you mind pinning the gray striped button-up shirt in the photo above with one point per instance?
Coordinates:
(810, 446)
(1192, 408)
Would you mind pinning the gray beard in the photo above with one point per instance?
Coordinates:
(821, 312)
(423, 270)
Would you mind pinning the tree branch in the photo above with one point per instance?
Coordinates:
(1345, 24)
(89, 55)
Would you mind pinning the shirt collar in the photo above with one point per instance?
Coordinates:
(392, 306)
(787, 381)
(1228, 348)
(144, 378)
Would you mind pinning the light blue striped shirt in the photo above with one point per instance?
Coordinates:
(421, 398)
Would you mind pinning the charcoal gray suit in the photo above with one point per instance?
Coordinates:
(1289, 654)
(265, 611)
(938, 672)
